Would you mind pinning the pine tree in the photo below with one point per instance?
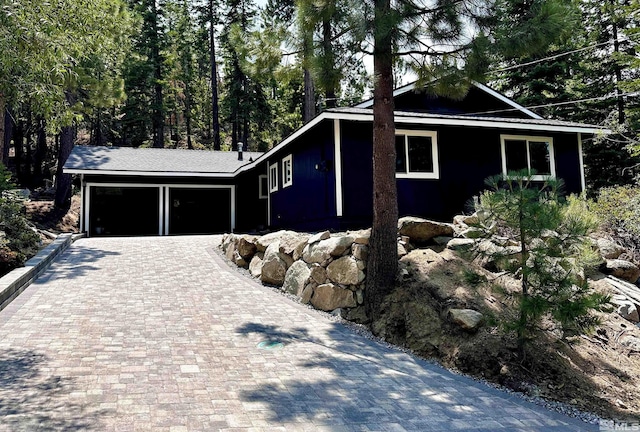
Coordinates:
(554, 251)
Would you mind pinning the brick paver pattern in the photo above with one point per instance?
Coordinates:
(159, 334)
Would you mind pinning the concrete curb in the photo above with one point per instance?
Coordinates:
(17, 280)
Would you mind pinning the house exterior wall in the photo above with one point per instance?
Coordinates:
(467, 156)
(251, 210)
(309, 203)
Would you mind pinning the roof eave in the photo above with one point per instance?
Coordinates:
(147, 173)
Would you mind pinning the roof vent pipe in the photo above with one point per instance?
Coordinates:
(240, 151)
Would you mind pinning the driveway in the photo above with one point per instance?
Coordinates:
(158, 334)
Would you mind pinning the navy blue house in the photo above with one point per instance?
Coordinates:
(321, 176)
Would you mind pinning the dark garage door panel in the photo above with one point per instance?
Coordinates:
(124, 211)
(199, 210)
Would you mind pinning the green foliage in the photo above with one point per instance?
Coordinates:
(554, 250)
(619, 211)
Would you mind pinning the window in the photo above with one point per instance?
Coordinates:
(528, 153)
(263, 186)
(273, 177)
(416, 154)
(287, 171)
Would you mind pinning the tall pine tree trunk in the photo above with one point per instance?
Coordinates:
(327, 47)
(18, 144)
(383, 256)
(158, 108)
(309, 98)
(215, 114)
(3, 123)
(40, 154)
(63, 181)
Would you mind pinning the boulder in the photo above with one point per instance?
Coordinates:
(609, 249)
(360, 251)
(315, 238)
(299, 250)
(288, 241)
(230, 252)
(239, 261)
(296, 278)
(466, 219)
(275, 266)
(422, 230)
(318, 274)
(422, 255)
(322, 251)
(401, 250)
(361, 236)
(328, 297)
(307, 293)
(460, 243)
(467, 319)
(246, 247)
(255, 266)
(625, 308)
(622, 269)
(630, 342)
(345, 271)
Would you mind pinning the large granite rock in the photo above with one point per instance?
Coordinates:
(275, 265)
(625, 308)
(345, 271)
(328, 297)
(467, 319)
(296, 278)
(322, 251)
(421, 230)
(622, 269)
(288, 241)
(608, 248)
(246, 246)
(255, 266)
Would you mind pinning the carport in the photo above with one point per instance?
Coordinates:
(138, 192)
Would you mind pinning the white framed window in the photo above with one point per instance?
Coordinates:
(287, 171)
(273, 177)
(532, 153)
(263, 186)
(417, 154)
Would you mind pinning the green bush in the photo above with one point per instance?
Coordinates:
(18, 242)
(619, 211)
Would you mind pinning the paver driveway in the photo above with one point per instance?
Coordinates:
(158, 334)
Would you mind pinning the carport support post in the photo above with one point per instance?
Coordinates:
(82, 186)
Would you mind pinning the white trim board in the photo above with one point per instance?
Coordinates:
(148, 173)
(337, 142)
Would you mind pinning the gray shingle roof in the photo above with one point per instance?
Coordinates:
(150, 161)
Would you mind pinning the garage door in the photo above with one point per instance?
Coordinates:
(124, 211)
(199, 210)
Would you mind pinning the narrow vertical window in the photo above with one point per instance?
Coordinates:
(263, 187)
(287, 171)
(273, 177)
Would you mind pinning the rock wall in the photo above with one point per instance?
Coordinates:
(328, 270)
(325, 271)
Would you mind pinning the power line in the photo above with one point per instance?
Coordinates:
(555, 56)
(557, 103)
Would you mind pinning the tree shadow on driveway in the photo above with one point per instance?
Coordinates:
(31, 399)
(76, 262)
(340, 380)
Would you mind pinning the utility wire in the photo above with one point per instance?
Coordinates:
(555, 56)
(556, 103)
